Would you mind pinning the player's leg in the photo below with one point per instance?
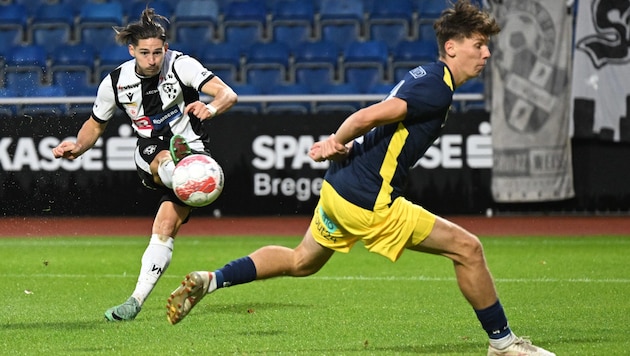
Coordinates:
(476, 284)
(267, 262)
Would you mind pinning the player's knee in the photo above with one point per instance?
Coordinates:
(469, 248)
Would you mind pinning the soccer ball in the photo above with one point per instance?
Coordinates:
(198, 180)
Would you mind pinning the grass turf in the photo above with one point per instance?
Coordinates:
(568, 294)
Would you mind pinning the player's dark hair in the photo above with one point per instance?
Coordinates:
(463, 20)
(150, 25)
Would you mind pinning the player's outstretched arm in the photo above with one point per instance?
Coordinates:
(86, 138)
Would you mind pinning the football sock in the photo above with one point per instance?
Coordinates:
(165, 171)
(155, 260)
(494, 322)
(236, 272)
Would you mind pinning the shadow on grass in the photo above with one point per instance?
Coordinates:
(244, 308)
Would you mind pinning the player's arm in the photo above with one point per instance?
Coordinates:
(224, 99)
(86, 138)
(338, 145)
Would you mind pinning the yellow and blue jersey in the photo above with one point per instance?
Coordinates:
(376, 170)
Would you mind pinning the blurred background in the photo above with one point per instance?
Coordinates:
(543, 131)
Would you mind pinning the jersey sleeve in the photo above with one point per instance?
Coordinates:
(105, 104)
(425, 94)
(191, 72)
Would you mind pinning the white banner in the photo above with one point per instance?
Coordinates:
(601, 74)
(531, 63)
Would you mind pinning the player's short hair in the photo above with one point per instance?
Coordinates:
(150, 25)
(463, 20)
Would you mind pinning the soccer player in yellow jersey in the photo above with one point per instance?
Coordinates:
(362, 195)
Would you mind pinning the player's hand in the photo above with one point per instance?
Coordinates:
(328, 149)
(198, 109)
(66, 149)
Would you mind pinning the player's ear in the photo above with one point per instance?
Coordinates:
(165, 46)
(449, 48)
(132, 51)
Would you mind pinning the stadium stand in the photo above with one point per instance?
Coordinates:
(195, 21)
(292, 22)
(340, 21)
(364, 64)
(266, 65)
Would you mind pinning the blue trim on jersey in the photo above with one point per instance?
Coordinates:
(375, 172)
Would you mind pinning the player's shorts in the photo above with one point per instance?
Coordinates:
(146, 150)
(338, 224)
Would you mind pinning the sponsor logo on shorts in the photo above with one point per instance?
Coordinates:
(325, 226)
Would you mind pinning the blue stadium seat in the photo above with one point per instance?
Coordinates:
(365, 64)
(316, 64)
(473, 86)
(96, 20)
(224, 60)
(45, 91)
(25, 67)
(52, 25)
(266, 65)
(294, 107)
(110, 57)
(410, 54)
(246, 107)
(340, 21)
(429, 10)
(292, 22)
(8, 110)
(244, 23)
(72, 67)
(13, 22)
(339, 106)
(390, 21)
(133, 8)
(195, 21)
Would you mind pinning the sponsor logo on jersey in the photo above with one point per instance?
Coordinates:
(162, 119)
(418, 72)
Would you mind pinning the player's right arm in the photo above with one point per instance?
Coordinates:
(86, 138)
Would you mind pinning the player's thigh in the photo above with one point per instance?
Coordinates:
(447, 238)
(310, 255)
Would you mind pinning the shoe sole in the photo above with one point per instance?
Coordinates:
(184, 298)
(176, 150)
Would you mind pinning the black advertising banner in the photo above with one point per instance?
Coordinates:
(267, 169)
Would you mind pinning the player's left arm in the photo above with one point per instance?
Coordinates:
(338, 145)
(223, 99)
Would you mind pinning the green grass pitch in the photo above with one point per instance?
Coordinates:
(569, 294)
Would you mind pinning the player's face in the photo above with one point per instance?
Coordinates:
(471, 55)
(149, 55)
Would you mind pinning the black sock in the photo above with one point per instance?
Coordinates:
(494, 321)
(236, 272)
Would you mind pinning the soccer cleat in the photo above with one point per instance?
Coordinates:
(127, 311)
(520, 347)
(194, 287)
(179, 148)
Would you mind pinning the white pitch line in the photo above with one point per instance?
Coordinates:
(346, 278)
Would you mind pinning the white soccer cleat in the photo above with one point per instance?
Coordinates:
(185, 297)
(520, 347)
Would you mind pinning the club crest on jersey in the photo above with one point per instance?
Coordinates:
(170, 90)
(149, 150)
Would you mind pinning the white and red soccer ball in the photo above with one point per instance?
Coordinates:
(198, 180)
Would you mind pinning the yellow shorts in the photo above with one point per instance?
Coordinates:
(338, 224)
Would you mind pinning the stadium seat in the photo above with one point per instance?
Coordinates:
(292, 22)
(134, 8)
(110, 57)
(195, 21)
(339, 106)
(410, 54)
(244, 23)
(429, 10)
(224, 60)
(473, 86)
(13, 22)
(25, 68)
(266, 65)
(244, 90)
(294, 107)
(390, 21)
(340, 21)
(46, 91)
(7, 111)
(52, 25)
(315, 64)
(72, 67)
(95, 23)
(364, 64)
